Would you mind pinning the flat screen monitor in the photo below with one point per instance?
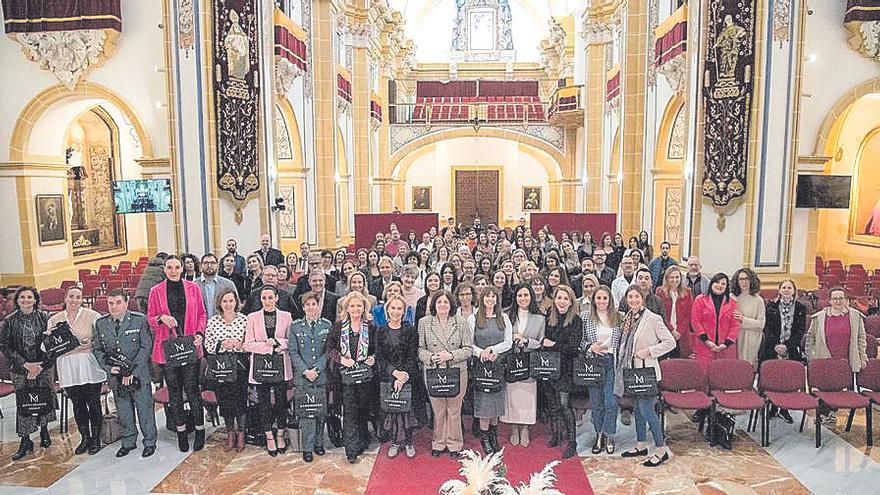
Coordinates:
(823, 191)
(142, 195)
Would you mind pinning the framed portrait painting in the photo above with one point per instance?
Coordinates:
(50, 219)
(864, 207)
(531, 198)
(421, 198)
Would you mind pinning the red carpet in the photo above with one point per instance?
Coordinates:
(424, 474)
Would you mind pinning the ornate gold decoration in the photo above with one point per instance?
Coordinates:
(68, 54)
(186, 26)
(862, 19)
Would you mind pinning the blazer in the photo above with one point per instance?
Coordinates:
(308, 350)
(590, 336)
(817, 348)
(330, 303)
(285, 303)
(194, 322)
(533, 332)
(255, 339)
(773, 332)
(273, 256)
(683, 308)
(653, 335)
(302, 286)
(133, 341)
(706, 326)
(457, 339)
(222, 284)
(377, 286)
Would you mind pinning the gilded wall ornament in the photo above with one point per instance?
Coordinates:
(781, 21)
(67, 54)
(676, 73)
(186, 26)
(285, 74)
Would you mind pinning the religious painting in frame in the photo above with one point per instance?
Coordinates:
(50, 219)
(531, 198)
(864, 206)
(421, 198)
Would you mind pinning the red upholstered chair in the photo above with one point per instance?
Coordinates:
(52, 300)
(684, 386)
(832, 380)
(6, 387)
(820, 266)
(783, 383)
(82, 273)
(730, 383)
(66, 284)
(100, 305)
(869, 381)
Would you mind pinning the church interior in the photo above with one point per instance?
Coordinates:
(744, 134)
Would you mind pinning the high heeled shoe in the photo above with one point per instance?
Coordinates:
(83, 446)
(272, 450)
(25, 447)
(45, 439)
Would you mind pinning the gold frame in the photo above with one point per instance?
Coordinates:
(413, 190)
(39, 200)
(497, 168)
(852, 236)
(525, 189)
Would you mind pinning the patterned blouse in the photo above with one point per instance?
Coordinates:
(218, 330)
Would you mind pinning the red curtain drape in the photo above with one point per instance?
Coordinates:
(33, 16)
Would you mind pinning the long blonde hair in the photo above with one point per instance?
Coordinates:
(346, 301)
(613, 314)
(574, 310)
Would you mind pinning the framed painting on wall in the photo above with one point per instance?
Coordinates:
(421, 198)
(531, 198)
(864, 207)
(50, 218)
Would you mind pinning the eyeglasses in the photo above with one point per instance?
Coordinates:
(838, 299)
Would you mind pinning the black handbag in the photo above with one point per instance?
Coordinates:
(517, 368)
(640, 382)
(488, 376)
(357, 374)
(588, 372)
(34, 401)
(130, 388)
(180, 351)
(268, 368)
(545, 365)
(310, 401)
(443, 382)
(60, 341)
(222, 366)
(723, 430)
(395, 401)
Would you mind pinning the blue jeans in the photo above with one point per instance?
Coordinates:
(603, 401)
(645, 414)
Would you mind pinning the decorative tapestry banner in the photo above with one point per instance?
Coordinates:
(28, 16)
(236, 96)
(727, 100)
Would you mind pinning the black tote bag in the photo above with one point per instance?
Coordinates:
(443, 382)
(545, 365)
(588, 372)
(517, 368)
(488, 376)
(640, 382)
(60, 341)
(395, 401)
(357, 374)
(310, 401)
(268, 368)
(180, 351)
(34, 401)
(222, 366)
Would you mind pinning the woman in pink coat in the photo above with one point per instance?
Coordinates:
(265, 335)
(175, 309)
(715, 328)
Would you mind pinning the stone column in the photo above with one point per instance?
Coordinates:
(358, 36)
(596, 35)
(633, 80)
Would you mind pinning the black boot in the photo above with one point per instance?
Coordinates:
(493, 437)
(570, 450)
(24, 448)
(83, 446)
(199, 440)
(485, 442)
(554, 433)
(45, 439)
(94, 445)
(570, 434)
(182, 441)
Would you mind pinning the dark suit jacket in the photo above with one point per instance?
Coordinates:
(302, 286)
(377, 286)
(273, 257)
(606, 276)
(285, 303)
(328, 311)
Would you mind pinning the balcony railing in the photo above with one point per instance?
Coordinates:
(468, 111)
(565, 99)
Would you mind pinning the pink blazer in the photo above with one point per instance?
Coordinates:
(704, 323)
(194, 322)
(255, 339)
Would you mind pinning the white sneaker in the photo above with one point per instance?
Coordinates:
(393, 451)
(410, 451)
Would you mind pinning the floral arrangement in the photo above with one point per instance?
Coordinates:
(487, 476)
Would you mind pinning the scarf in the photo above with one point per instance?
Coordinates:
(363, 344)
(786, 317)
(625, 348)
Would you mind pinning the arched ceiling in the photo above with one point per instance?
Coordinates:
(429, 25)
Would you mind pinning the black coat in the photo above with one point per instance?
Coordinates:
(302, 285)
(606, 276)
(377, 287)
(328, 311)
(773, 330)
(567, 340)
(239, 283)
(285, 303)
(273, 257)
(14, 348)
(404, 356)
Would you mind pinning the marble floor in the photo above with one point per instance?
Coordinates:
(791, 465)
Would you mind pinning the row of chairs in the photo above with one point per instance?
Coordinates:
(729, 383)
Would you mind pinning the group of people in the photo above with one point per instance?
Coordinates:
(345, 326)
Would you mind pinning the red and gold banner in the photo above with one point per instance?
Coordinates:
(612, 84)
(290, 41)
(343, 83)
(35, 16)
(671, 36)
(236, 96)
